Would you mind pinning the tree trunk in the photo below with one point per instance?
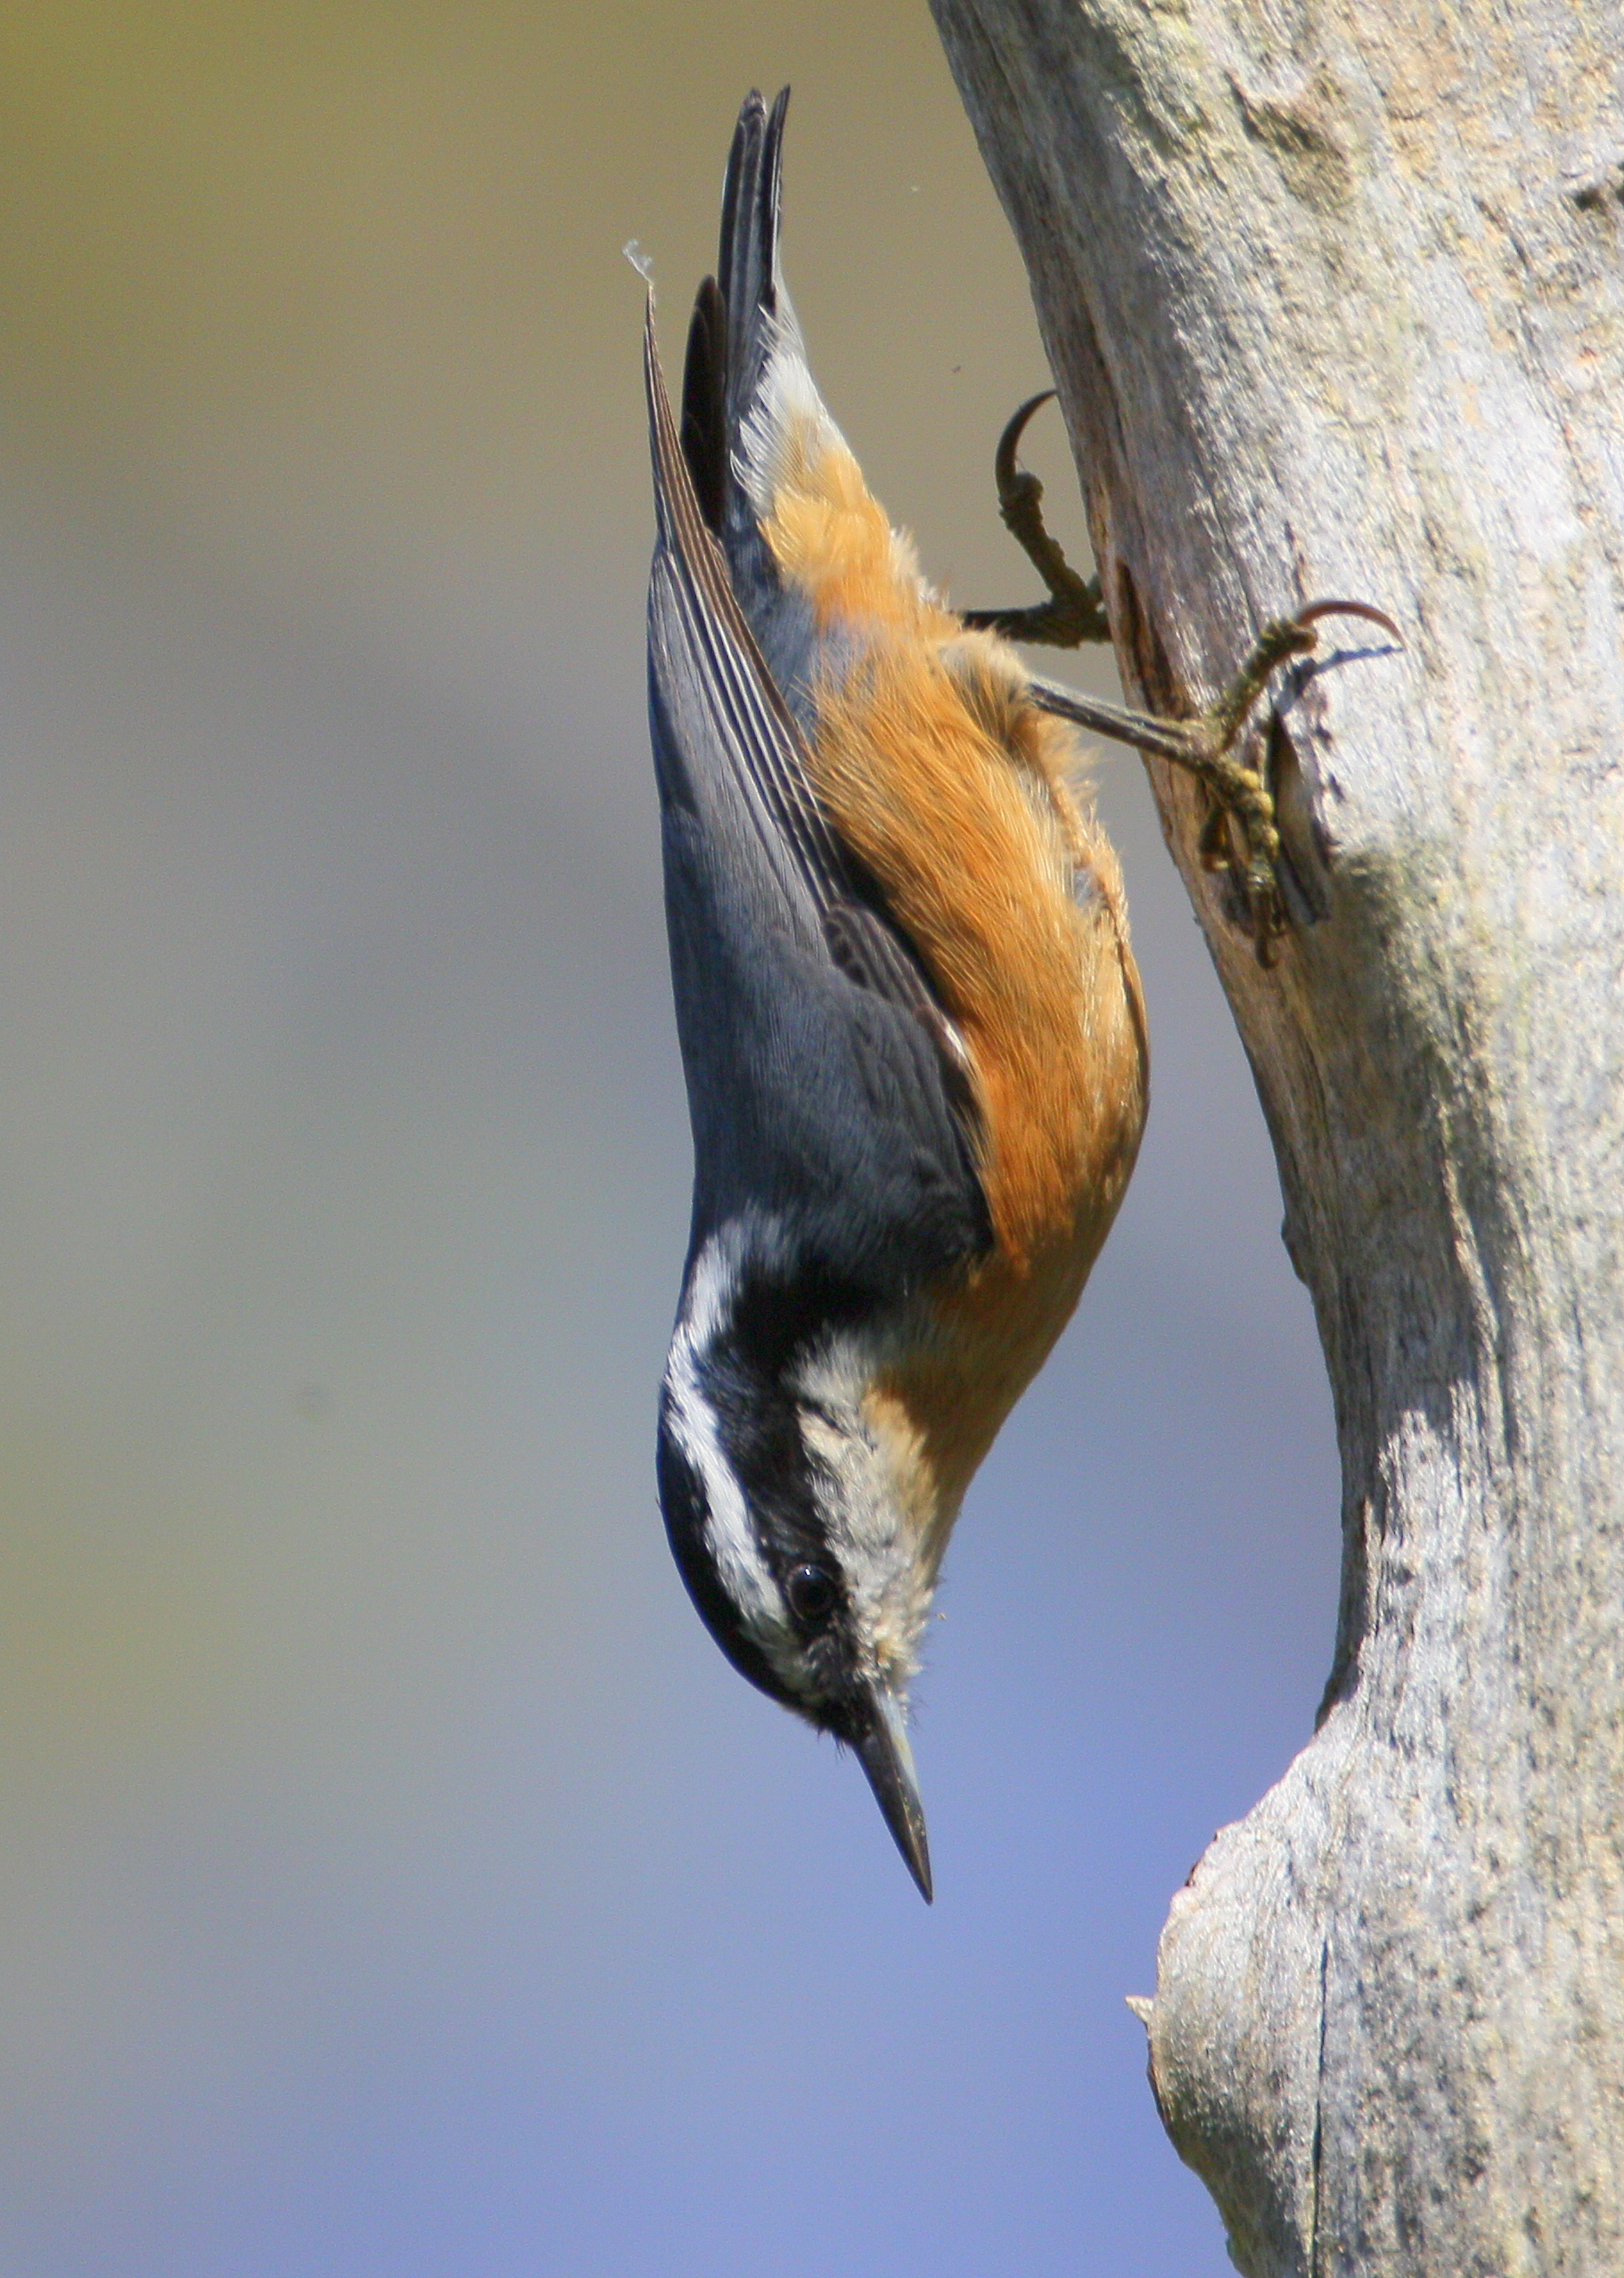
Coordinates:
(1334, 299)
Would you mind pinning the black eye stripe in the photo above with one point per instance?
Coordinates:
(683, 1502)
(760, 1422)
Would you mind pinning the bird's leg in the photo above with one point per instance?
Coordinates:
(1075, 612)
(1206, 746)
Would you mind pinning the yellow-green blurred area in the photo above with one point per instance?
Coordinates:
(372, 250)
(394, 1877)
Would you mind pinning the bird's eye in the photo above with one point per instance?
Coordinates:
(810, 1590)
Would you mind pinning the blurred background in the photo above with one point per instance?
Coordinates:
(393, 1877)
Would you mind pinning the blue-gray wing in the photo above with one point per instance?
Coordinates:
(822, 1082)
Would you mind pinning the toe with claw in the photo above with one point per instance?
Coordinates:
(1075, 612)
(1207, 747)
(1241, 800)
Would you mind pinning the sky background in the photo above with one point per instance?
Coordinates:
(394, 1877)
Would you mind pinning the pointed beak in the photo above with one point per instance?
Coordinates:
(889, 1761)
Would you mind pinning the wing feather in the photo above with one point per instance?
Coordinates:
(846, 1008)
(754, 727)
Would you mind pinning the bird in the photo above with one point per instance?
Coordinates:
(912, 1028)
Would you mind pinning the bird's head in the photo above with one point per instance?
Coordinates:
(799, 1506)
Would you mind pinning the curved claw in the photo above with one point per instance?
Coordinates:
(1009, 473)
(1075, 612)
(1205, 747)
(1316, 609)
(1242, 793)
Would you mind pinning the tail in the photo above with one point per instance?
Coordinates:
(773, 478)
(742, 323)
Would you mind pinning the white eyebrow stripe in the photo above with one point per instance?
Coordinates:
(730, 1533)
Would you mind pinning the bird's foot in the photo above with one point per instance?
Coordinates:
(1241, 804)
(1075, 612)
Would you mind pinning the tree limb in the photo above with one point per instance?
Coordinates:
(1334, 301)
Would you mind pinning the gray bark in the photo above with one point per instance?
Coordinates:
(1334, 292)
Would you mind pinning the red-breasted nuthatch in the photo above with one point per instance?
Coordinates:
(910, 1020)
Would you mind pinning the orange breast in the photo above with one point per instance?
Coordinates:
(950, 785)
